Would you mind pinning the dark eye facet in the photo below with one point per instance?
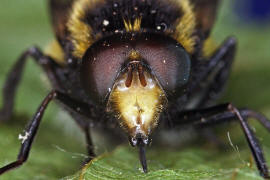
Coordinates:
(104, 60)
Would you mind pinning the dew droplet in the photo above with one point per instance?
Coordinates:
(153, 11)
(162, 26)
(106, 22)
(115, 5)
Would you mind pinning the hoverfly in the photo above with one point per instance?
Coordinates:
(133, 60)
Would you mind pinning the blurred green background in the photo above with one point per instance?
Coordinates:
(59, 147)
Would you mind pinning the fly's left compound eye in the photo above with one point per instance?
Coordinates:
(101, 65)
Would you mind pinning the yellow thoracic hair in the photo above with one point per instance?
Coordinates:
(82, 33)
(136, 26)
(55, 51)
(186, 26)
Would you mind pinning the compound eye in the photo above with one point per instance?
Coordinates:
(100, 67)
(168, 60)
(104, 60)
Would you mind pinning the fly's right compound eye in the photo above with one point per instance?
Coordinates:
(168, 61)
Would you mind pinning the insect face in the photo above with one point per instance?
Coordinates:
(134, 75)
(137, 99)
(134, 59)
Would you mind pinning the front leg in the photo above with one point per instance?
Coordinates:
(32, 129)
(217, 79)
(15, 74)
(51, 68)
(224, 113)
(210, 76)
(83, 123)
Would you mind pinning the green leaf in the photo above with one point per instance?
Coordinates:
(51, 156)
(188, 163)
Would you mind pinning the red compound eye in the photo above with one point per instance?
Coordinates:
(105, 59)
(167, 59)
(101, 65)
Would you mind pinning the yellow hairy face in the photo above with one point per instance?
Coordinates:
(138, 106)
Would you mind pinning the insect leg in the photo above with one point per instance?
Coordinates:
(227, 112)
(14, 78)
(13, 81)
(210, 78)
(31, 130)
(215, 74)
(84, 125)
(221, 73)
(89, 143)
(77, 109)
